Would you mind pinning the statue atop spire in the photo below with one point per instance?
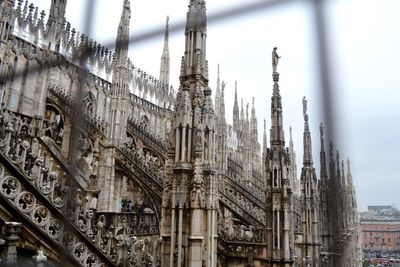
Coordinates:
(307, 136)
(321, 131)
(275, 59)
(304, 106)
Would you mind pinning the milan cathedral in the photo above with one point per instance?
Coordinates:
(103, 164)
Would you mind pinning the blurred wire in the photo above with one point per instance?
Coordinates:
(323, 66)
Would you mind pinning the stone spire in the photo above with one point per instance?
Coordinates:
(277, 136)
(309, 196)
(351, 199)
(307, 154)
(119, 108)
(293, 163)
(325, 213)
(349, 176)
(218, 95)
(241, 120)
(57, 12)
(343, 175)
(323, 162)
(338, 174)
(120, 79)
(236, 111)
(222, 103)
(122, 41)
(279, 195)
(253, 123)
(265, 144)
(190, 192)
(195, 62)
(222, 156)
(165, 61)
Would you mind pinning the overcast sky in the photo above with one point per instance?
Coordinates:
(364, 42)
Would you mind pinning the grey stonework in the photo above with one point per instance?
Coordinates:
(150, 176)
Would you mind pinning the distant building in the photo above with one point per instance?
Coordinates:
(380, 228)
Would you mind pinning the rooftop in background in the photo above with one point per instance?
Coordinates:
(379, 207)
(380, 213)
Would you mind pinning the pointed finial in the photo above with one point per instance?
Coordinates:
(253, 109)
(342, 167)
(265, 126)
(304, 106)
(321, 131)
(166, 33)
(235, 91)
(290, 132)
(182, 67)
(349, 176)
(348, 166)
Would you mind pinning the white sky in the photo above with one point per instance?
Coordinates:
(364, 43)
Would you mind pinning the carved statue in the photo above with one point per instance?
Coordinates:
(321, 129)
(275, 59)
(304, 105)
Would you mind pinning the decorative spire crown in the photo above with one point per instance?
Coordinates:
(307, 160)
(196, 16)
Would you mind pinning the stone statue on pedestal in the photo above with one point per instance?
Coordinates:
(275, 59)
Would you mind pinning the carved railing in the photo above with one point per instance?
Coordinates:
(39, 189)
(258, 179)
(241, 205)
(67, 103)
(155, 142)
(252, 191)
(138, 223)
(242, 234)
(244, 242)
(47, 194)
(19, 145)
(255, 195)
(147, 172)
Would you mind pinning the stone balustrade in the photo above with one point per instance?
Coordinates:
(150, 138)
(248, 207)
(54, 201)
(242, 233)
(148, 170)
(68, 102)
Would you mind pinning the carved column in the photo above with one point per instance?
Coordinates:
(11, 231)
